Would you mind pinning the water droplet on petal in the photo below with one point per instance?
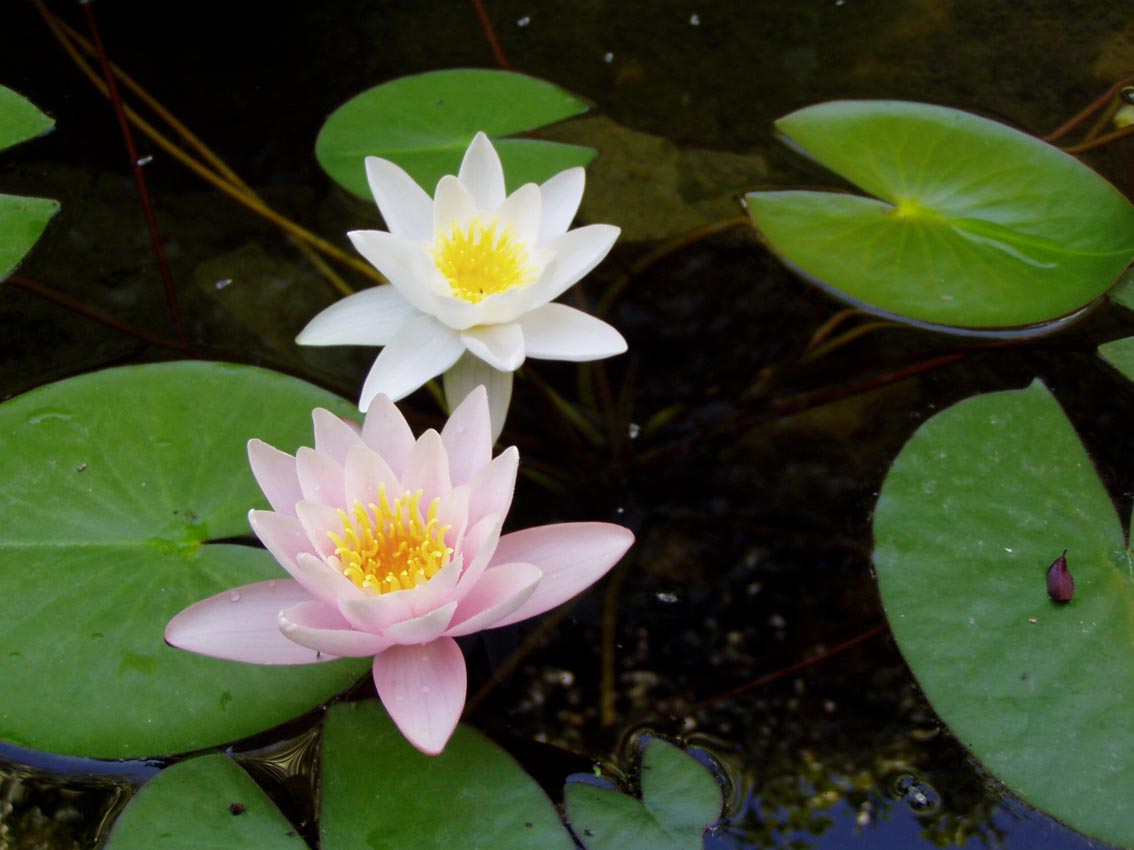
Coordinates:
(425, 689)
(271, 584)
(234, 595)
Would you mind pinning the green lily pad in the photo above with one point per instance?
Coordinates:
(680, 800)
(1120, 354)
(113, 485)
(229, 812)
(1123, 291)
(22, 220)
(424, 123)
(972, 225)
(379, 793)
(979, 503)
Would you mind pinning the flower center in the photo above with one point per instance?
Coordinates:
(387, 547)
(481, 260)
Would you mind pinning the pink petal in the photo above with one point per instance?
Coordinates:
(454, 512)
(324, 581)
(436, 592)
(333, 435)
(375, 614)
(467, 437)
(423, 688)
(275, 473)
(365, 473)
(241, 625)
(482, 174)
(477, 550)
(493, 486)
(470, 372)
(500, 591)
(283, 535)
(386, 431)
(319, 627)
(318, 520)
(320, 478)
(428, 469)
(406, 208)
(572, 556)
(423, 629)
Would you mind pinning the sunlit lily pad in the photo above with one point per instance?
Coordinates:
(22, 220)
(228, 812)
(979, 503)
(680, 800)
(1120, 355)
(424, 123)
(972, 224)
(113, 484)
(379, 792)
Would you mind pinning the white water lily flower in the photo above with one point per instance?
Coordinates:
(473, 274)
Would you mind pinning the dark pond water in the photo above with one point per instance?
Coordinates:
(747, 620)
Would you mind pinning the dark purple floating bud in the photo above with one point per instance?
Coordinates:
(1060, 584)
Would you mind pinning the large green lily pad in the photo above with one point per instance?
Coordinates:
(112, 485)
(680, 800)
(22, 220)
(975, 508)
(972, 225)
(228, 812)
(424, 123)
(379, 793)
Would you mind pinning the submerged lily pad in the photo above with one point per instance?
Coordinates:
(113, 485)
(980, 502)
(680, 800)
(379, 793)
(973, 224)
(229, 812)
(22, 220)
(424, 123)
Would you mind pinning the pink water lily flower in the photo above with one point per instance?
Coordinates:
(474, 274)
(394, 548)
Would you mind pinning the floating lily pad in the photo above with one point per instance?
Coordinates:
(983, 498)
(22, 220)
(425, 122)
(972, 224)
(379, 793)
(228, 812)
(680, 800)
(113, 484)
(1120, 355)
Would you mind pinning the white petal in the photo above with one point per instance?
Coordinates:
(405, 264)
(521, 213)
(406, 208)
(424, 349)
(370, 317)
(576, 253)
(500, 346)
(469, 372)
(559, 332)
(561, 197)
(453, 207)
(482, 174)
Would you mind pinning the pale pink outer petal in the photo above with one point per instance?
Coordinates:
(375, 614)
(334, 436)
(364, 473)
(320, 478)
(275, 473)
(404, 263)
(482, 174)
(284, 536)
(561, 197)
(324, 581)
(477, 550)
(423, 629)
(318, 520)
(241, 625)
(424, 349)
(558, 332)
(492, 488)
(423, 689)
(572, 556)
(576, 253)
(453, 206)
(500, 591)
(500, 346)
(406, 208)
(370, 317)
(320, 627)
(520, 213)
(386, 431)
(428, 469)
(469, 372)
(467, 436)
(436, 592)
